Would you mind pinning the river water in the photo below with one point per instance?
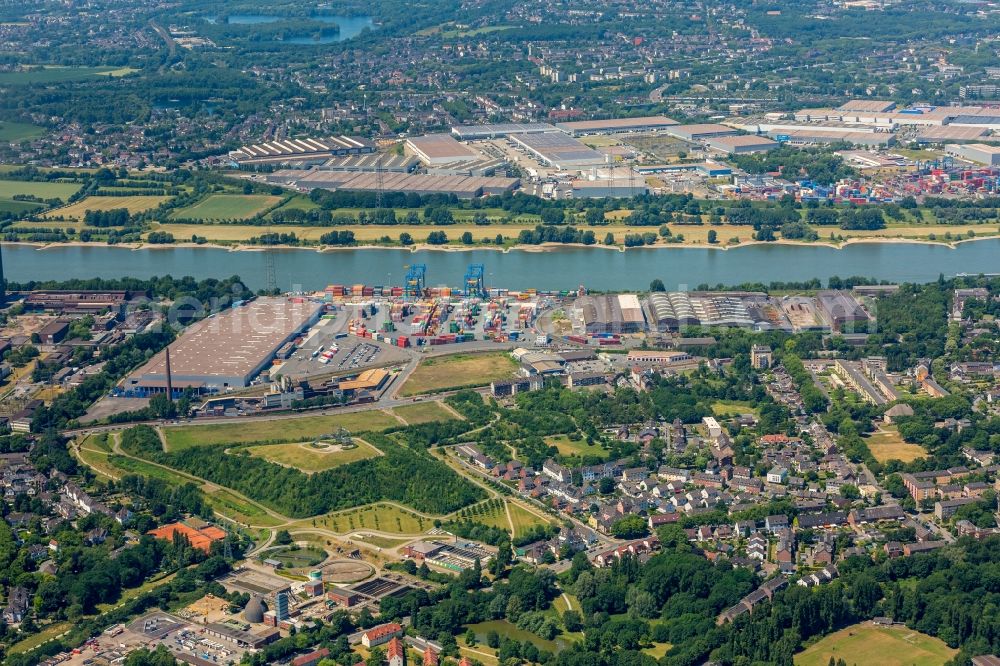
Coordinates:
(595, 268)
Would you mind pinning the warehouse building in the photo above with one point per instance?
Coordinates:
(437, 149)
(710, 169)
(976, 152)
(868, 105)
(464, 187)
(700, 132)
(611, 314)
(584, 189)
(616, 125)
(742, 144)
(952, 133)
(300, 151)
(371, 162)
(812, 137)
(559, 150)
(227, 350)
(499, 130)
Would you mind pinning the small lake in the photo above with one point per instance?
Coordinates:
(350, 26)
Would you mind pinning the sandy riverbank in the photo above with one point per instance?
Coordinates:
(543, 247)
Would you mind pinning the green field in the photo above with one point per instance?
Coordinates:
(18, 207)
(303, 456)
(295, 557)
(95, 452)
(277, 431)
(894, 646)
(568, 447)
(227, 207)
(57, 74)
(732, 408)
(43, 190)
(491, 512)
(887, 444)
(523, 519)
(134, 204)
(424, 412)
(19, 131)
(381, 517)
(133, 466)
(458, 370)
(241, 511)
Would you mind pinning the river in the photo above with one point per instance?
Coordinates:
(595, 268)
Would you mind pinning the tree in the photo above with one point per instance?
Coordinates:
(657, 285)
(470, 638)
(629, 527)
(609, 239)
(405, 239)
(713, 237)
(467, 238)
(606, 485)
(162, 406)
(282, 538)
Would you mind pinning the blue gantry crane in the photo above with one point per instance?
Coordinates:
(415, 281)
(474, 283)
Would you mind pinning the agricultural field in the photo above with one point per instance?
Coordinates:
(886, 444)
(458, 370)
(134, 204)
(19, 131)
(59, 74)
(228, 207)
(568, 447)
(381, 517)
(424, 412)
(308, 458)
(18, 207)
(277, 431)
(895, 646)
(42, 190)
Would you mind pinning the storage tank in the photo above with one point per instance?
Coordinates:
(254, 611)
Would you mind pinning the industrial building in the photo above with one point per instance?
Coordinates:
(559, 150)
(842, 312)
(371, 162)
(76, 302)
(499, 130)
(301, 151)
(953, 133)
(868, 105)
(227, 350)
(611, 314)
(709, 169)
(464, 187)
(616, 125)
(700, 132)
(675, 310)
(976, 152)
(808, 137)
(742, 144)
(583, 189)
(436, 149)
